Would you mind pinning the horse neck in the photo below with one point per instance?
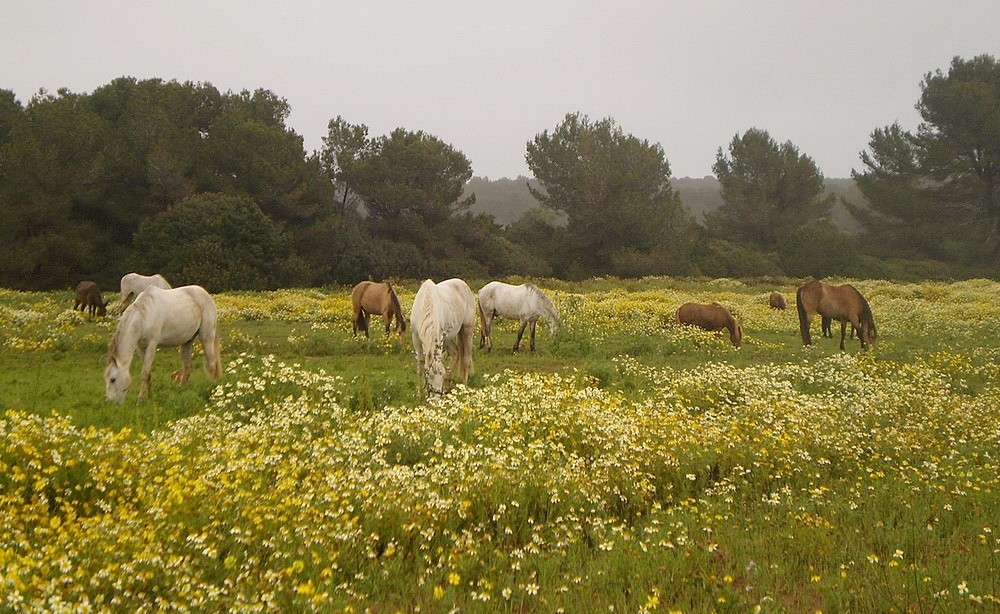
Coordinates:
(126, 337)
(548, 310)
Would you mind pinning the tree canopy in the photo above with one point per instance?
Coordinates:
(937, 192)
(79, 173)
(769, 191)
(615, 191)
(92, 185)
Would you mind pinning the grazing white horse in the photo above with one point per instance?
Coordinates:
(443, 319)
(525, 303)
(134, 283)
(161, 317)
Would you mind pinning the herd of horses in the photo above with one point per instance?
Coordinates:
(842, 303)
(442, 322)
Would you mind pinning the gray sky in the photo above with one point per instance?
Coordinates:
(486, 77)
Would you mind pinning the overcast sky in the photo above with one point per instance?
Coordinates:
(486, 77)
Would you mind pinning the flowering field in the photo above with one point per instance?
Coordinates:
(629, 465)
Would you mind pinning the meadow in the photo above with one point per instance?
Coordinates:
(628, 465)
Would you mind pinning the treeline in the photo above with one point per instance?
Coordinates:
(213, 188)
(507, 200)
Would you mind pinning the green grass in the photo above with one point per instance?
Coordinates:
(628, 463)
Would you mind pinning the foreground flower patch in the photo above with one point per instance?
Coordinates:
(847, 478)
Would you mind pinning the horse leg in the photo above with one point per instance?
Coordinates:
(843, 333)
(388, 322)
(451, 347)
(534, 323)
(467, 335)
(145, 378)
(461, 350)
(185, 372)
(211, 347)
(520, 333)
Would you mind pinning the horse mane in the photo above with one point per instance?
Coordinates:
(123, 324)
(866, 312)
(544, 299)
(429, 328)
(396, 307)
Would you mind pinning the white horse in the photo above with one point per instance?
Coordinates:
(161, 317)
(134, 283)
(525, 303)
(443, 318)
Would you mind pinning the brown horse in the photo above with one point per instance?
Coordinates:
(379, 298)
(843, 303)
(777, 301)
(88, 297)
(711, 318)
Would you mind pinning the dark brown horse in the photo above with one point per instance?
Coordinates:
(711, 318)
(777, 301)
(370, 297)
(843, 303)
(88, 297)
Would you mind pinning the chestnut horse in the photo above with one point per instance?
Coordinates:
(371, 297)
(711, 317)
(777, 301)
(843, 303)
(88, 297)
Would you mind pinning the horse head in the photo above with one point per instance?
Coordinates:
(435, 374)
(117, 380)
(736, 334)
(868, 334)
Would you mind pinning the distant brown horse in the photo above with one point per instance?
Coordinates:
(88, 297)
(370, 297)
(711, 318)
(777, 301)
(843, 303)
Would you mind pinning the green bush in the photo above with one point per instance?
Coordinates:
(218, 241)
(720, 258)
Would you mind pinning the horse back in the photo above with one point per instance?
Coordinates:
(177, 315)
(711, 317)
(507, 300)
(88, 292)
(457, 297)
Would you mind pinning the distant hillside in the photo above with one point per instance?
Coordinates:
(505, 199)
(508, 199)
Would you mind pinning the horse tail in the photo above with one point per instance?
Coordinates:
(485, 332)
(359, 320)
(803, 317)
(483, 319)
